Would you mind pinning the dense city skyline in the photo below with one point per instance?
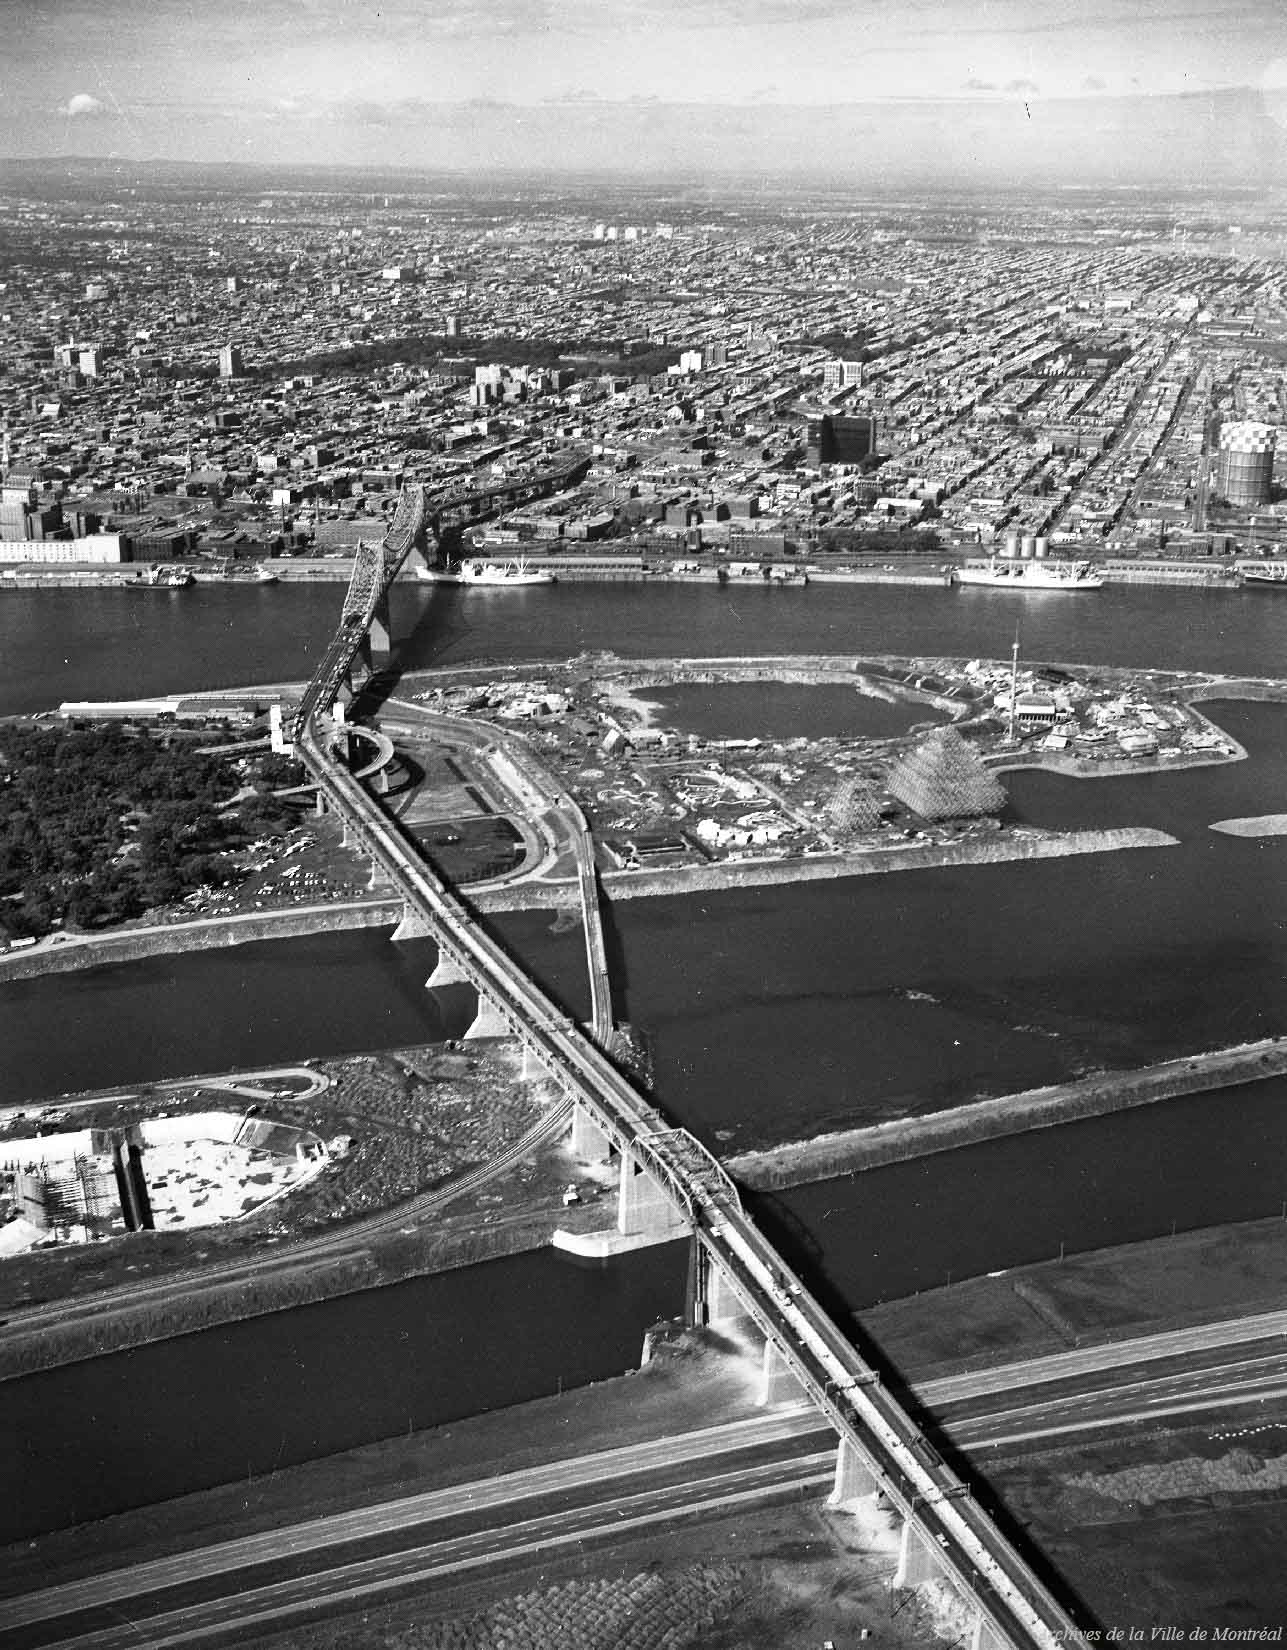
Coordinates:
(1151, 90)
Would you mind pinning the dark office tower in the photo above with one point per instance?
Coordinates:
(840, 439)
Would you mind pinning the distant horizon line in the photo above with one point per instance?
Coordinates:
(941, 183)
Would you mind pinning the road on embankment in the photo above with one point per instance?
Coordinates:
(505, 1522)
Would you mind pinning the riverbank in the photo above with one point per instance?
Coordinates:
(66, 953)
(853, 1150)
(516, 1213)
(700, 1381)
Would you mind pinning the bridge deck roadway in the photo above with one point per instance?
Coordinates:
(1007, 1595)
(1008, 1599)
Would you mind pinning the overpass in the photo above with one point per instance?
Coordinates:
(670, 1187)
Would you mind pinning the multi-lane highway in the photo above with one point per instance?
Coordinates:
(1228, 1371)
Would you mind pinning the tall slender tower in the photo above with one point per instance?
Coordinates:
(1014, 684)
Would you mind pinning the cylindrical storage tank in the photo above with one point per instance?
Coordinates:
(1041, 546)
(1011, 545)
(1245, 465)
(1027, 544)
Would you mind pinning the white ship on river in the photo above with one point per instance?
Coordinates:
(998, 573)
(507, 574)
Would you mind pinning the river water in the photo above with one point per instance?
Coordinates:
(121, 643)
(772, 1013)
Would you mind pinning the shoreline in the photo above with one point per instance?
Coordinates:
(853, 1151)
(70, 953)
(84, 1327)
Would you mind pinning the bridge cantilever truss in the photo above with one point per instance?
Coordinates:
(376, 566)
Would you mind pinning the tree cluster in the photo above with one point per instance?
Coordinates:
(98, 825)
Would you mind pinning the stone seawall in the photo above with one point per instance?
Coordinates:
(64, 957)
(852, 1150)
(130, 945)
(767, 873)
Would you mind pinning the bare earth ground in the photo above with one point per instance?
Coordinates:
(1218, 1272)
(1172, 1527)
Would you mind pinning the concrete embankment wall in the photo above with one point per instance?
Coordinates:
(66, 957)
(766, 873)
(896, 1142)
(208, 1303)
(197, 936)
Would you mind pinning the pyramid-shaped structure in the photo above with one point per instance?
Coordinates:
(854, 806)
(944, 778)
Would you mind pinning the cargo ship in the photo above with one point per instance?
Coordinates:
(506, 574)
(1272, 573)
(998, 573)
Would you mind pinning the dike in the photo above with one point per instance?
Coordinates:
(131, 944)
(767, 873)
(852, 1150)
(193, 1303)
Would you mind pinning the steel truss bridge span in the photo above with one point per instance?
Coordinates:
(946, 1535)
(421, 514)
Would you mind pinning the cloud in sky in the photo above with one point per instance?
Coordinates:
(82, 105)
(375, 75)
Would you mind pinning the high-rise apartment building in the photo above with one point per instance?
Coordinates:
(840, 439)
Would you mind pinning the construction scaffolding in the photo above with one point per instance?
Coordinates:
(944, 778)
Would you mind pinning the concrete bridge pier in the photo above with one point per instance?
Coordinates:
(379, 638)
(644, 1207)
(712, 1302)
(778, 1383)
(919, 1557)
(985, 1636)
(854, 1478)
(446, 971)
(412, 926)
(589, 1142)
(488, 1021)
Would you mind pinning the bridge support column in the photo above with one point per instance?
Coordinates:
(643, 1204)
(985, 1635)
(379, 638)
(778, 1384)
(854, 1478)
(919, 1558)
(712, 1302)
(413, 925)
(589, 1142)
(446, 971)
(489, 1021)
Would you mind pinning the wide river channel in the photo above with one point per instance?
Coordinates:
(772, 1014)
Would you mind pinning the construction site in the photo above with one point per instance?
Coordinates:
(659, 794)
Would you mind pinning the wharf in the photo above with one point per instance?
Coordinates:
(937, 580)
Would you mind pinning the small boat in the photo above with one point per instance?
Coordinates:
(499, 574)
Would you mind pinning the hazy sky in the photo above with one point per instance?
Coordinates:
(974, 87)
